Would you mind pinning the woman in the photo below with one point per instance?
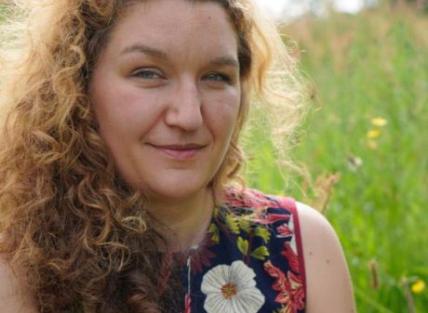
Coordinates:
(119, 152)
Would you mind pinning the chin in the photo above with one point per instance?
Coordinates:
(177, 191)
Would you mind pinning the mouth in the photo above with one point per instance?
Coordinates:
(180, 152)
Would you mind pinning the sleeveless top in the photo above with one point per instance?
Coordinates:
(250, 260)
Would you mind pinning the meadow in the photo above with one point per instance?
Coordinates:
(365, 145)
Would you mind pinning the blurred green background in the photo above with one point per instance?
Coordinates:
(365, 145)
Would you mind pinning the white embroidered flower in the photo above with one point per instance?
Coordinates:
(231, 289)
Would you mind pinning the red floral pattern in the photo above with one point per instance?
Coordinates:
(259, 230)
(291, 257)
(284, 231)
(290, 289)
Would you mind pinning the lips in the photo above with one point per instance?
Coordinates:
(189, 146)
(179, 151)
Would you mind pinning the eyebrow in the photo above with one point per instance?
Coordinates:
(140, 48)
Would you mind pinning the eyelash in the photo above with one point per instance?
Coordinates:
(223, 77)
(141, 73)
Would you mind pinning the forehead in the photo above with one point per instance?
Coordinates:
(176, 25)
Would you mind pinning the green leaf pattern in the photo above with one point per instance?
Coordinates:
(261, 253)
(242, 245)
(263, 232)
(248, 227)
(215, 234)
(245, 224)
(232, 223)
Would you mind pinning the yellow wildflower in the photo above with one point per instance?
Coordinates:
(373, 134)
(372, 144)
(418, 286)
(379, 121)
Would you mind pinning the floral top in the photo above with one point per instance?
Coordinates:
(251, 259)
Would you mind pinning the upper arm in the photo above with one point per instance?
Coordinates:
(329, 287)
(13, 298)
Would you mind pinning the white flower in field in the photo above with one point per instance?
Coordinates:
(231, 289)
(354, 163)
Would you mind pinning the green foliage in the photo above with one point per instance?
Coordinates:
(245, 224)
(367, 66)
(214, 232)
(370, 128)
(242, 245)
(261, 253)
(232, 223)
(4, 11)
(263, 232)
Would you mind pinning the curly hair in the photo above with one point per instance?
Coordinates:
(67, 219)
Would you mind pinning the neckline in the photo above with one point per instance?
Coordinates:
(206, 240)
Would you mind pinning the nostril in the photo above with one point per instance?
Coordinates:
(185, 113)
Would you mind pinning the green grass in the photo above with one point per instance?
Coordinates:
(371, 65)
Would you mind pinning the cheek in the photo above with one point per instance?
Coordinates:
(125, 111)
(222, 112)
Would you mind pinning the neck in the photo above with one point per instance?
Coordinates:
(188, 219)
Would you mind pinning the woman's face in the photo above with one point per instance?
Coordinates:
(166, 94)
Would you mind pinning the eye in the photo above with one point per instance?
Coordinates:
(146, 74)
(218, 77)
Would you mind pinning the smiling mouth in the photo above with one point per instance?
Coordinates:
(179, 152)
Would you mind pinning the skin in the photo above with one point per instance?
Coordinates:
(14, 297)
(167, 97)
(150, 108)
(329, 287)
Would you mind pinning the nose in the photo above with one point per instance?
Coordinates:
(185, 107)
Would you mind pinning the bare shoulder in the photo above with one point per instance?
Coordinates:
(13, 297)
(329, 287)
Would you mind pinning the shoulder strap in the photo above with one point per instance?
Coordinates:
(291, 205)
